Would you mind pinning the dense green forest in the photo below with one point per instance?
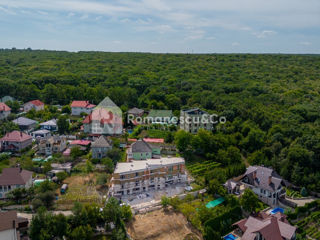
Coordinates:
(271, 102)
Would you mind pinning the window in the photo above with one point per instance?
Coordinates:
(122, 176)
(137, 174)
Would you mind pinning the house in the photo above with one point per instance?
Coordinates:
(78, 107)
(15, 141)
(191, 120)
(105, 119)
(35, 104)
(12, 178)
(41, 134)
(4, 111)
(100, 147)
(141, 150)
(264, 182)
(141, 176)
(265, 226)
(25, 124)
(50, 125)
(12, 226)
(51, 145)
(66, 167)
(7, 99)
(136, 112)
(160, 117)
(233, 187)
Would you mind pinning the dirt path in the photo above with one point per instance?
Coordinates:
(161, 225)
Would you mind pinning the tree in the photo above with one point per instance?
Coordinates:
(81, 232)
(61, 176)
(165, 202)
(63, 124)
(66, 109)
(47, 198)
(108, 164)
(89, 166)
(216, 188)
(114, 154)
(304, 192)
(17, 194)
(182, 140)
(249, 201)
(46, 167)
(76, 152)
(126, 212)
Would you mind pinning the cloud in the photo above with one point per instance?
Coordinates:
(264, 33)
(235, 44)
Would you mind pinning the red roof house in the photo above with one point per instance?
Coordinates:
(78, 107)
(4, 110)
(34, 104)
(15, 141)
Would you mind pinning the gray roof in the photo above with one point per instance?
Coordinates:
(22, 121)
(135, 111)
(196, 111)
(262, 177)
(141, 146)
(44, 131)
(102, 141)
(52, 122)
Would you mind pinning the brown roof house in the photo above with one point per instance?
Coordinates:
(15, 141)
(266, 183)
(100, 147)
(265, 226)
(12, 178)
(11, 225)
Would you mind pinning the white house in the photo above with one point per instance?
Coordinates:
(78, 107)
(12, 178)
(35, 104)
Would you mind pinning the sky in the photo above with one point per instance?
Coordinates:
(166, 26)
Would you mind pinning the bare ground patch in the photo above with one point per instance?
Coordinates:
(161, 225)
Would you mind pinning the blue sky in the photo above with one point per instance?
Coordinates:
(199, 26)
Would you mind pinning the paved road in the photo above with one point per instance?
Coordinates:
(302, 202)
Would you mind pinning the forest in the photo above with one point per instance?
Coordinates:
(271, 101)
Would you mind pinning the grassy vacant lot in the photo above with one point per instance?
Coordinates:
(81, 188)
(161, 225)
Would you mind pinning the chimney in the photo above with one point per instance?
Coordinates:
(14, 224)
(20, 134)
(270, 178)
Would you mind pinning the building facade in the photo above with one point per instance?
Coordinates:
(15, 141)
(35, 104)
(78, 107)
(100, 147)
(49, 125)
(12, 178)
(4, 111)
(51, 145)
(192, 120)
(141, 150)
(265, 183)
(146, 175)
